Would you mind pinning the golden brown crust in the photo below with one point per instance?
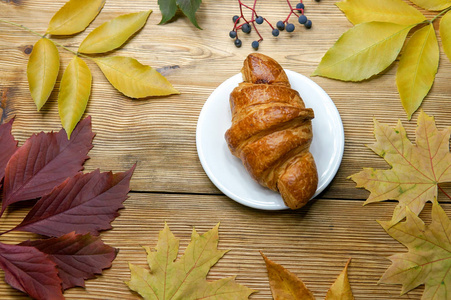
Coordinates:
(271, 131)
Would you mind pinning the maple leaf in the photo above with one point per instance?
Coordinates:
(44, 161)
(85, 203)
(30, 271)
(185, 278)
(77, 257)
(428, 260)
(416, 170)
(9, 146)
(168, 9)
(287, 286)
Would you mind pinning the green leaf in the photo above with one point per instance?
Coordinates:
(445, 33)
(73, 96)
(184, 279)
(433, 4)
(363, 51)
(74, 16)
(42, 70)
(393, 11)
(168, 9)
(189, 8)
(417, 68)
(113, 34)
(133, 79)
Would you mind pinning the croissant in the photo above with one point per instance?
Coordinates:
(271, 131)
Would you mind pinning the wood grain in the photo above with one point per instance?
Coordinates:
(159, 135)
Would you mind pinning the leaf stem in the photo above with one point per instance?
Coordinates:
(38, 34)
(443, 191)
(441, 13)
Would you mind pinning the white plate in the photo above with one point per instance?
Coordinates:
(228, 173)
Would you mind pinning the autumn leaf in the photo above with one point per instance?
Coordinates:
(44, 161)
(287, 286)
(428, 258)
(73, 96)
(186, 278)
(393, 11)
(9, 146)
(416, 170)
(168, 9)
(77, 257)
(42, 70)
(31, 271)
(95, 196)
(445, 33)
(134, 79)
(363, 51)
(113, 34)
(74, 16)
(417, 68)
(433, 4)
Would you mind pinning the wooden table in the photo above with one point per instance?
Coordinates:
(169, 184)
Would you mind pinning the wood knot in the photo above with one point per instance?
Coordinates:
(27, 49)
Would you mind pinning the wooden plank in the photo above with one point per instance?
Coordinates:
(314, 243)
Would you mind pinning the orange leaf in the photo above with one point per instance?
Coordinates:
(341, 289)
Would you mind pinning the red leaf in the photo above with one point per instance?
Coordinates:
(78, 257)
(44, 161)
(31, 271)
(8, 146)
(85, 203)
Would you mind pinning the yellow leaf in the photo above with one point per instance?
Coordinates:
(341, 289)
(133, 79)
(445, 33)
(113, 34)
(42, 70)
(433, 4)
(284, 284)
(73, 96)
(417, 68)
(74, 16)
(394, 11)
(363, 51)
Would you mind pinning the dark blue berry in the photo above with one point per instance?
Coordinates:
(246, 28)
(235, 18)
(259, 20)
(290, 27)
(308, 24)
(232, 34)
(275, 32)
(280, 25)
(238, 43)
(302, 19)
(255, 45)
(300, 6)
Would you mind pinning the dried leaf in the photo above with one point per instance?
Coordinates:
(134, 79)
(168, 9)
(30, 271)
(445, 33)
(44, 161)
(393, 11)
(77, 257)
(95, 196)
(9, 146)
(416, 170)
(74, 16)
(417, 68)
(341, 289)
(73, 96)
(185, 278)
(113, 34)
(363, 51)
(284, 284)
(428, 259)
(433, 4)
(42, 70)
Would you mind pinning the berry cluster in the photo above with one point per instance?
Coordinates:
(247, 26)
